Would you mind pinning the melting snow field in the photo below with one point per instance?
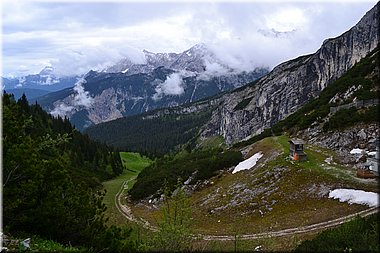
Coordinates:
(355, 196)
(358, 151)
(247, 164)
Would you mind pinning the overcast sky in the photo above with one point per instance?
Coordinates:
(75, 37)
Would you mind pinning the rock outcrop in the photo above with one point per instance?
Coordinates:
(361, 136)
(248, 111)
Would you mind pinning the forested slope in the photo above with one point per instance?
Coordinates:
(149, 134)
(51, 179)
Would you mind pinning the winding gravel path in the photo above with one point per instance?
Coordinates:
(127, 213)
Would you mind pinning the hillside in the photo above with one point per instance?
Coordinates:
(275, 194)
(31, 94)
(154, 133)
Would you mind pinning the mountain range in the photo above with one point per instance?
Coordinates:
(36, 85)
(246, 111)
(163, 80)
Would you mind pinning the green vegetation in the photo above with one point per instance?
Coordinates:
(212, 142)
(358, 235)
(242, 104)
(151, 136)
(170, 168)
(174, 226)
(38, 244)
(134, 163)
(349, 117)
(52, 175)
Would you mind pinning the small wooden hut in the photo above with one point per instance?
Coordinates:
(296, 152)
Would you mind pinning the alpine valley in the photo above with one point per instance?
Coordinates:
(180, 152)
(246, 111)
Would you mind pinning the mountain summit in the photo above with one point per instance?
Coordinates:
(195, 59)
(163, 80)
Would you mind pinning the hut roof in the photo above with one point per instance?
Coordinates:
(296, 141)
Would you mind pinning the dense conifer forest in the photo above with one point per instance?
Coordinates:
(51, 179)
(154, 136)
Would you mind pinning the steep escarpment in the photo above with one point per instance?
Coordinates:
(248, 111)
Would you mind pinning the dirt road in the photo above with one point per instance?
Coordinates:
(127, 213)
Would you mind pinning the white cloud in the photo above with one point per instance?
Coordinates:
(284, 20)
(173, 85)
(61, 110)
(50, 81)
(77, 37)
(82, 97)
(213, 69)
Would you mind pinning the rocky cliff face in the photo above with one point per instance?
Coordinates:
(246, 112)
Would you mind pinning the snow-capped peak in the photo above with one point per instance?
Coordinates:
(48, 70)
(193, 59)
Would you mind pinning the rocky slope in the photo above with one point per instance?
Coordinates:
(291, 84)
(361, 136)
(164, 80)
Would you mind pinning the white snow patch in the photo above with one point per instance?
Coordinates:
(357, 151)
(355, 196)
(248, 163)
(328, 160)
(372, 153)
(125, 70)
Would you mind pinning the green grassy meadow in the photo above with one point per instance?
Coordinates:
(133, 164)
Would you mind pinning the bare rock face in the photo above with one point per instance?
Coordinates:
(248, 111)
